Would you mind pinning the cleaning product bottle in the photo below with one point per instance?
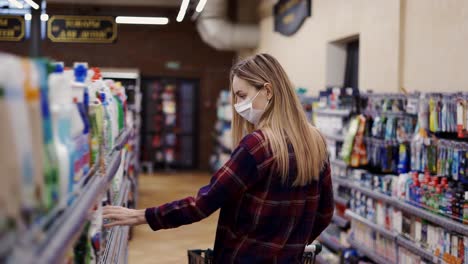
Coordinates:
(105, 95)
(32, 97)
(109, 143)
(80, 123)
(12, 156)
(96, 119)
(50, 156)
(61, 109)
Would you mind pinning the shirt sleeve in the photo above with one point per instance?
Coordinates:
(326, 206)
(227, 183)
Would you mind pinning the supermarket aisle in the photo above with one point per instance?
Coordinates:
(170, 246)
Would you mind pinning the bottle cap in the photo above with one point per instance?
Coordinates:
(58, 67)
(80, 70)
(97, 74)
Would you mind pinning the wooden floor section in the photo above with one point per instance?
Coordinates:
(170, 246)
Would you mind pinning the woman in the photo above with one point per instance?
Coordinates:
(275, 192)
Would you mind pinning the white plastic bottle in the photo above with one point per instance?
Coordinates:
(21, 145)
(10, 162)
(61, 110)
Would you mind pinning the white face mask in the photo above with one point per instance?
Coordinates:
(246, 110)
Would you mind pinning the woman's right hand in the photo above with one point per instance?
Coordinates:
(122, 216)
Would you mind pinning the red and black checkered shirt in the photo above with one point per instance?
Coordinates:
(262, 220)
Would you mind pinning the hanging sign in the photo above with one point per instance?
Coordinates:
(82, 29)
(11, 28)
(290, 15)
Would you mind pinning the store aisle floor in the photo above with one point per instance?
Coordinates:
(170, 246)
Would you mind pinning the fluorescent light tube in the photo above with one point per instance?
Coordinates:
(16, 3)
(44, 17)
(27, 17)
(183, 10)
(142, 20)
(200, 6)
(32, 4)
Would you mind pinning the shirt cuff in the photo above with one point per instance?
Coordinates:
(152, 219)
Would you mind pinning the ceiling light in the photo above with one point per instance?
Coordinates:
(183, 10)
(44, 17)
(200, 6)
(142, 20)
(27, 17)
(32, 4)
(16, 3)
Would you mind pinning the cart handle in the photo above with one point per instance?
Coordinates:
(315, 248)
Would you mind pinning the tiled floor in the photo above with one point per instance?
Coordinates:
(170, 246)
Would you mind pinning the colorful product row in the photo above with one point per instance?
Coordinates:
(434, 239)
(57, 123)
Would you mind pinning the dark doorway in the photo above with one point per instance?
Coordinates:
(352, 64)
(170, 123)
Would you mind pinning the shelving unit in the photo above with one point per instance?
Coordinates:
(417, 250)
(341, 201)
(381, 230)
(339, 138)
(320, 260)
(341, 221)
(222, 150)
(52, 246)
(331, 242)
(339, 163)
(333, 112)
(444, 222)
(369, 253)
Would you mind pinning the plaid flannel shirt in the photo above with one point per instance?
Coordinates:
(261, 219)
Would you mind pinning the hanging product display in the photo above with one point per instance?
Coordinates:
(67, 143)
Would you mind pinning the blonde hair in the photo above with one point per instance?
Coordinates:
(283, 121)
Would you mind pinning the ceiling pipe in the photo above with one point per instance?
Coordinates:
(217, 31)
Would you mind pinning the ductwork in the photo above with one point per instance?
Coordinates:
(221, 34)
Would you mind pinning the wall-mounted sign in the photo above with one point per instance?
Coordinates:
(11, 28)
(290, 15)
(82, 29)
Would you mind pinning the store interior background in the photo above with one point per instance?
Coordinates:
(401, 44)
(416, 45)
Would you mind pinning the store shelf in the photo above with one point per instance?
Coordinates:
(341, 181)
(320, 260)
(122, 139)
(7, 242)
(123, 193)
(123, 245)
(339, 163)
(379, 229)
(336, 137)
(341, 201)
(444, 222)
(331, 242)
(417, 250)
(368, 252)
(333, 112)
(341, 221)
(57, 243)
(371, 193)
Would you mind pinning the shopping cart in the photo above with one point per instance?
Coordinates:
(199, 256)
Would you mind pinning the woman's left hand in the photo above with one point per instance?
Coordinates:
(123, 216)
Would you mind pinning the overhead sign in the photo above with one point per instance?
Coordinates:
(11, 28)
(82, 29)
(290, 15)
